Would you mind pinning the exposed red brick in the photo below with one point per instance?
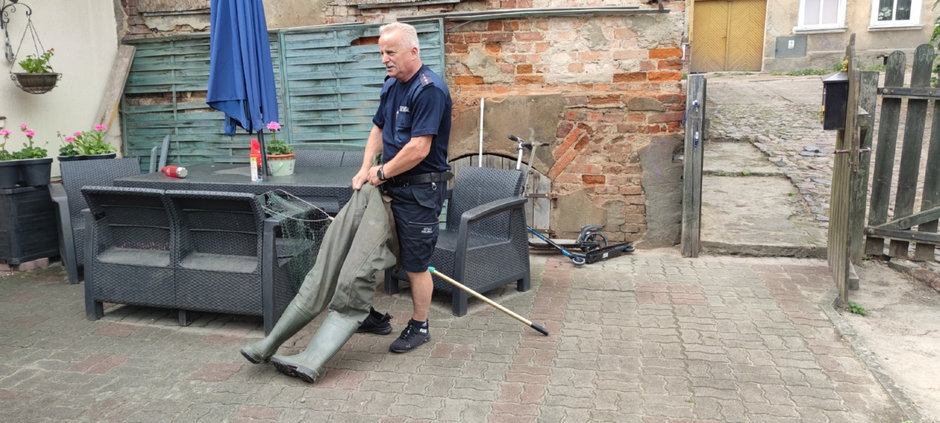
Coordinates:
(493, 48)
(576, 101)
(670, 65)
(455, 48)
(605, 99)
(529, 36)
(468, 80)
(501, 37)
(593, 179)
(665, 53)
(636, 117)
(494, 26)
(561, 164)
(630, 77)
(631, 189)
(563, 129)
(524, 69)
(570, 139)
(665, 76)
(666, 117)
(590, 56)
(542, 47)
(530, 79)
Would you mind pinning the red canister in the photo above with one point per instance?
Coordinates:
(174, 171)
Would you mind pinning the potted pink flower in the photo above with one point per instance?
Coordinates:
(86, 145)
(281, 156)
(26, 167)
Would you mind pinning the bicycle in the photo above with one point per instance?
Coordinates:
(593, 243)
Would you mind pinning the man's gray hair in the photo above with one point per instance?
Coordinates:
(408, 32)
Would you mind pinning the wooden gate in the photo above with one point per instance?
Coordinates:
(900, 228)
(849, 179)
(727, 35)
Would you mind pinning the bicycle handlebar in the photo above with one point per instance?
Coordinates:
(525, 143)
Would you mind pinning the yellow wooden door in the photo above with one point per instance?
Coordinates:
(727, 35)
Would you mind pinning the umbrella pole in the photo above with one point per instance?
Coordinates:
(264, 154)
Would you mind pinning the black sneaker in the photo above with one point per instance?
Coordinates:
(376, 325)
(413, 336)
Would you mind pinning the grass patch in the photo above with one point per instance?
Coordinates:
(806, 72)
(856, 308)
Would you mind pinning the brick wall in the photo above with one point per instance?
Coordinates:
(621, 80)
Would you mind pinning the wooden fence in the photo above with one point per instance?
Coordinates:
(900, 227)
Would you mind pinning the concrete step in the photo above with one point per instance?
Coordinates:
(757, 216)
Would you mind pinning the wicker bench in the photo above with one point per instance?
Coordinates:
(187, 250)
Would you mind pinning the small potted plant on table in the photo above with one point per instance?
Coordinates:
(280, 155)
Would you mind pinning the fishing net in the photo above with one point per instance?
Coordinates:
(301, 232)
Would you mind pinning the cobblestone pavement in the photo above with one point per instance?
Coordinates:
(649, 337)
(780, 116)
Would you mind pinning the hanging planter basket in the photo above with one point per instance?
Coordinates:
(36, 83)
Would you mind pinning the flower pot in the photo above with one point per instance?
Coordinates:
(35, 172)
(87, 157)
(281, 164)
(36, 83)
(9, 173)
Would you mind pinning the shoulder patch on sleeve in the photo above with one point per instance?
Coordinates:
(426, 79)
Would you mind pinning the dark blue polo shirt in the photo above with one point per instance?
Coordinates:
(421, 106)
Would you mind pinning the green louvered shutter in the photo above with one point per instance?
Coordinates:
(328, 82)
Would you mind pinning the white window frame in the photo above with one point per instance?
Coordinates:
(801, 25)
(914, 21)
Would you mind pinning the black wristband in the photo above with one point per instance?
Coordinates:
(380, 174)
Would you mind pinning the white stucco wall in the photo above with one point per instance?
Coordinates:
(83, 35)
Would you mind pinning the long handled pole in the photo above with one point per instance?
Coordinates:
(496, 305)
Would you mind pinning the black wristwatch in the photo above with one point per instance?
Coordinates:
(380, 174)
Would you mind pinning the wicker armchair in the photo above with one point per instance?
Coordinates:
(226, 259)
(484, 245)
(352, 158)
(127, 248)
(75, 175)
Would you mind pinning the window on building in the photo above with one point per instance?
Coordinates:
(895, 13)
(821, 15)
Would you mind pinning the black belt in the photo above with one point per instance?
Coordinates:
(421, 178)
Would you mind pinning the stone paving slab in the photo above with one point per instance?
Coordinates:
(757, 216)
(648, 337)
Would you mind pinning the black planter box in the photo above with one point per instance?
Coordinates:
(28, 227)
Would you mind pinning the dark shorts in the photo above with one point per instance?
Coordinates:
(416, 209)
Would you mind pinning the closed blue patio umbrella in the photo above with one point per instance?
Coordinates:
(241, 76)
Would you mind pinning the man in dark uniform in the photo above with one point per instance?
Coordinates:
(411, 130)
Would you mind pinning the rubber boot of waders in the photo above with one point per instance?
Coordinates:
(293, 320)
(329, 338)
